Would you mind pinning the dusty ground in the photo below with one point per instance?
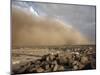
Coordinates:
(84, 53)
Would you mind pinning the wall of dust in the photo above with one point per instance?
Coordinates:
(31, 30)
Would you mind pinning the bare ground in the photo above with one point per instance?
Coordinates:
(24, 55)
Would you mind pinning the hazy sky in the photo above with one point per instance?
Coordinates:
(82, 17)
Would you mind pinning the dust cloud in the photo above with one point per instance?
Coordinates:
(31, 30)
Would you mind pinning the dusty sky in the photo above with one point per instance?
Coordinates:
(81, 17)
